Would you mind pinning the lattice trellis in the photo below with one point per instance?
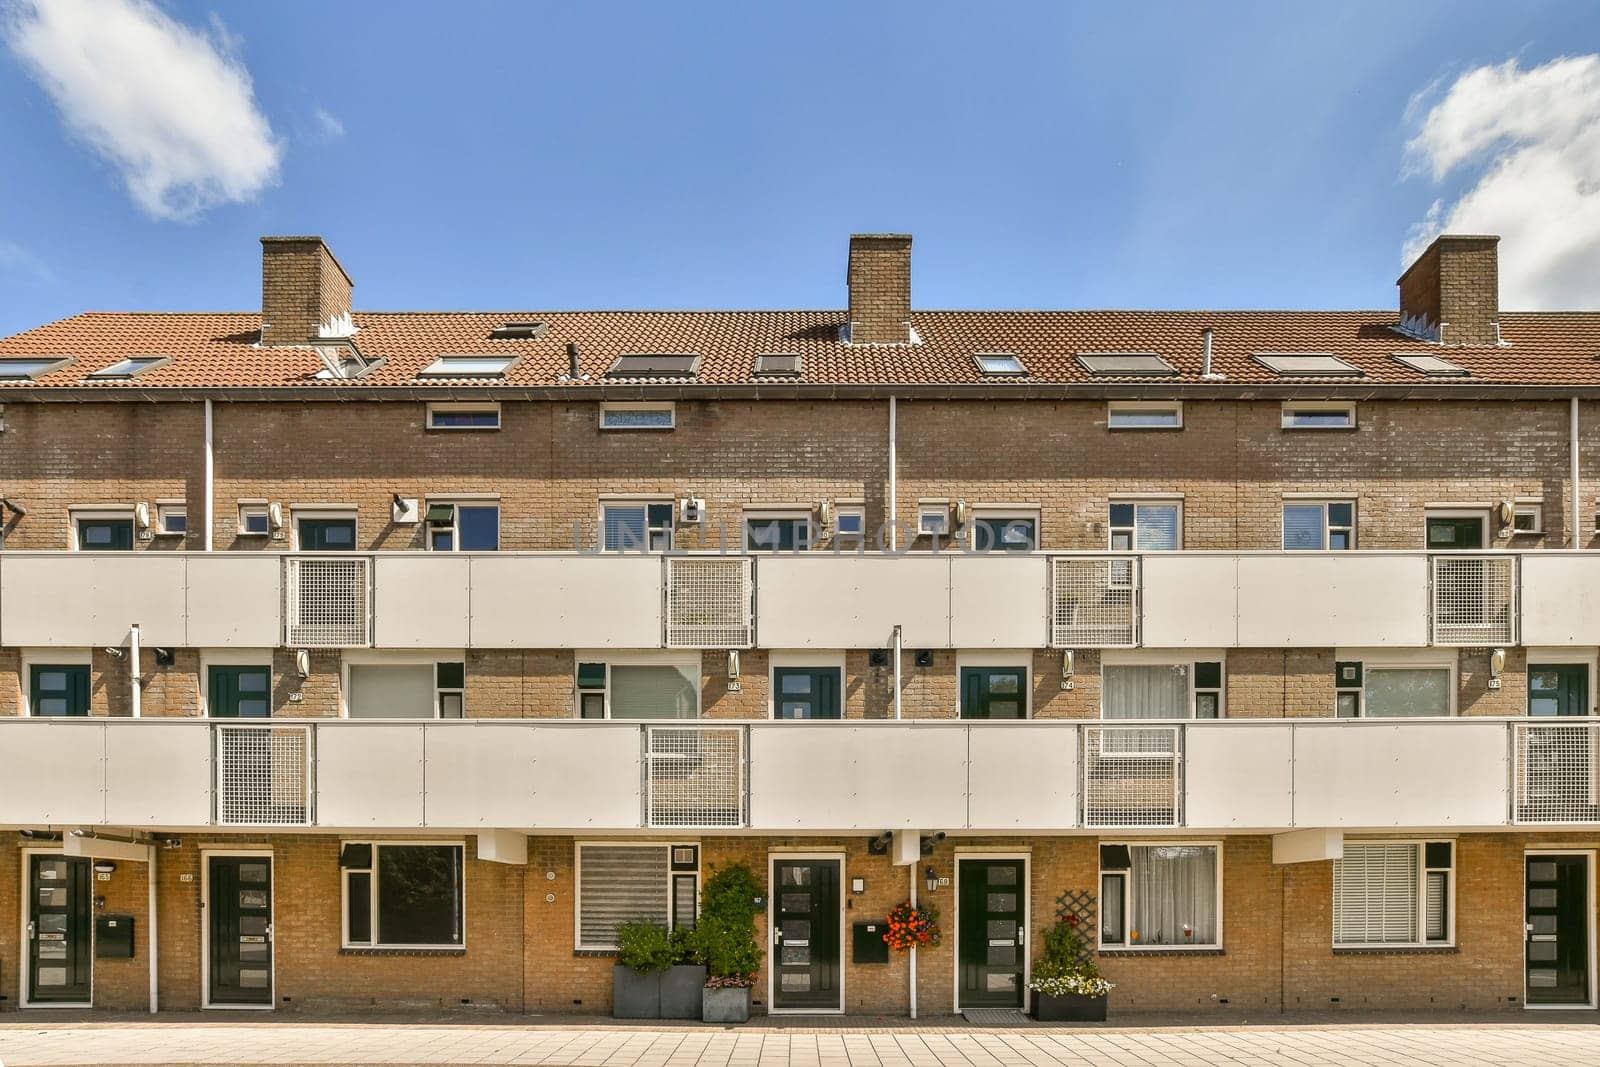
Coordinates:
(1094, 602)
(1474, 600)
(327, 601)
(708, 602)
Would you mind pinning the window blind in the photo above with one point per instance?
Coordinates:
(1375, 895)
(1302, 526)
(391, 691)
(1156, 527)
(653, 692)
(619, 884)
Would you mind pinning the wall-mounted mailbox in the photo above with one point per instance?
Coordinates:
(113, 937)
(867, 944)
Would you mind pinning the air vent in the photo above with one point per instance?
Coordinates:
(1126, 365)
(514, 331)
(778, 365)
(655, 365)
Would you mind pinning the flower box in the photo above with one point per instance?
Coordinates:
(1069, 1008)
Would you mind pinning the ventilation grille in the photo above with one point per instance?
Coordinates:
(1132, 776)
(1555, 769)
(695, 776)
(264, 775)
(1474, 600)
(1094, 602)
(708, 603)
(327, 601)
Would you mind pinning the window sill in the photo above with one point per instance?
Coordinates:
(1396, 950)
(378, 950)
(1160, 950)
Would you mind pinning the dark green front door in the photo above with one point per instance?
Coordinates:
(1557, 928)
(239, 692)
(1454, 533)
(991, 934)
(239, 929)
(1558, 689)
(58, 690)
(994, 693)
(105, 535)
(805, 936)
(805, 692)
(59, 937)
(327, 535)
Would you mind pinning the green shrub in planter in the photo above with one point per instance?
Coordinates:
(644, 951)
(1066, 984)
(726, 939)
(681, 983)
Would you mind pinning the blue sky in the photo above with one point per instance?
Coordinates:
(548, 156)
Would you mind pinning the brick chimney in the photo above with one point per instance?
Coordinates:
(1451, 294)
(304, 291)
(879, 278)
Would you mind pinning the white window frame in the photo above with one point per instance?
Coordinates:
(1133, 531)
(459, 502)
(1523, 506)
(371, 658)
(164, 510)
(1151, 657)
(683, 660)
(1001, 659)
(1481, 513)
(28, 658)
(1127, 898)
(610, 406)
(777, 661)
(1564, 657)
(344, 895)
(236, 657)
(1423, 870)
(254, 507)
(1397, 659)
(1006, 513)
(855, 510)
(1286, 416)
(577, 882)
(463, 407)
(1327, 528)
(323, 511)
(927, 509)
(801, 513)
(98, 513)
(644, 503)
(1114, 408)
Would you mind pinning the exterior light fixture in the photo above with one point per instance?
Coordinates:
(733, 671)
(104, 867)
(1497, 667)
(302, 663)
(931, 879)
(1068, 664)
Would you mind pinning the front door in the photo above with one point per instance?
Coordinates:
(805, 692)
(1557, 928)
(239, 692)
(239, 929)
(805, 935)
(994, 693)
(327, 535)
(1453, 533)
(992, 930)
(1558, 689)
(59, 930)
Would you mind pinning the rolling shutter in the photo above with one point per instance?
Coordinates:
(1375, 895)
(619, 884)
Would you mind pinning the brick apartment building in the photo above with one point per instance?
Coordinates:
(359, 659)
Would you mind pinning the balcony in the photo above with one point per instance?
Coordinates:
(575, 776)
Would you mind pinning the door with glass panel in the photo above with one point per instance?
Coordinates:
(805, 935)
(991, 932)
(805, 692)
(59, 938)
(239, 692)
(105, 535)
(1557, 930)
(327, 535)
(239, 930)
(1558, 689)
(994, 693)
(58, 690)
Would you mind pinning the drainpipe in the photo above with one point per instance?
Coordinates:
(897, 644)
(210, 472)
(894, 530)
(133, 669)
(155, 995)
(1577, 498)
(913, 946)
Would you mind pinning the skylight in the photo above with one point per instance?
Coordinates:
(468, 366)
(1307, 364)
(130, 367)
(1126, 364)
(518, 329)
(18, 368)
(655, 365)
(1000, 363)
(1432, 366)
(778, 365)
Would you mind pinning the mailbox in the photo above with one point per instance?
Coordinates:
(867, 944)
(113, 937)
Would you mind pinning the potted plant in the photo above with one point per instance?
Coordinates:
(1066, 984)
(912, 926)
(682, 982)
(726, 939)
(644, 951)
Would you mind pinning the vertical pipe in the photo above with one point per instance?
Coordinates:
(210, 476)
(133, 670)
(913, 869)
(155, 993)
(897, 644)
(1577, 497)
(894, 463)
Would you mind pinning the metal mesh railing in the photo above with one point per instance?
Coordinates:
(694, 776)
(1094, 602)
(708, 603)
(1555, 773)
(1132, 776)
(327, 601)
(264, 775)
(1474, 600)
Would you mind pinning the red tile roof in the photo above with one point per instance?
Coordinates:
(218, 350)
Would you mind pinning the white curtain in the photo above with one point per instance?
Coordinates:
(653, 692)
(1174, 895)
(1405, 692)
(1146, 691)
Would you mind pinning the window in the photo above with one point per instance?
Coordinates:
(402, 895)
(1432, 366)
(103, 531)
(468, 366)
(253, 521)
(1393, 690)
(405, 690)
(655, 365)
(657, 689)
(1000, 364)
(463, 416)
(1300, 415)
(20, 367)
(1144, 415)
(1527, 517)
(172, 519)
(1160, 896)
(634, 883)
(1180, 690)
(1313, 525)
(1126, 365)
(1004, 531)
(850, 528)
(326, 532)
(777, 531)
(58, 690)
(1307, 365)
(778, 365)
(637, 526)
(518, 331)
(1145, 527)
(463, 527)
(1393, 894)
(806, 692)
(994, 692)
(637, 416)
(131, 367)
(239, 692)
(933, 518)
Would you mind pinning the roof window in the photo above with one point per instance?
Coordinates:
(1000, 363)
(1307, 365)
(1432, 366)
(778, 365)
(17, 368)
(517, 330)
(468, 366)
(656, 365)
(1126, 364)
(131, 367)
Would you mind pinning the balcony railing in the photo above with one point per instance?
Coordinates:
(265, 774)
(327, 601)
(709, 602)
(1474, 600)
(1094, 601)
(694, 777)
(1556, 775)
(1132, 776)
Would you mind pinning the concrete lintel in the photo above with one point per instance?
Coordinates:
(104, 848)
(1307, 846)
(503, 846)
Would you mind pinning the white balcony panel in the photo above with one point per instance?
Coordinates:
(421, 601)
(77, 599)
(1239, 775)
(1189, 601)
(566, 602)
(234, 600)
(1560, 598)
(1327, 599)
(828, 601)
(999, 601)
(370, 774)
(828, 776)
(158, 773)
(518, 775)
(1022, 777)
(1417, 774)
(52, 773)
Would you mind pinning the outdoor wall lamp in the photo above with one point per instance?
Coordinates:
(733, 671)
(1068, 663)
(931, 879)
(302, 663)
(104, 867)
(1497, 666)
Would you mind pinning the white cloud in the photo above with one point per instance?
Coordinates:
(1529, 142)
(14, 259)
(170, 106)
(328, 126)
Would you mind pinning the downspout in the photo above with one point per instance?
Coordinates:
(210, 475)
(155, 995)
(897, 646)
(133, 669)
(894, 513)
(913, 870)
(1577, 497)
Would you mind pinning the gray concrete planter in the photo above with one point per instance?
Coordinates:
(680, 991)
(726, 1005)
(634, 995)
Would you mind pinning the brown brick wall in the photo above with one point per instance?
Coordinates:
(1456, 282)
(302, 287)
(879, 279)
